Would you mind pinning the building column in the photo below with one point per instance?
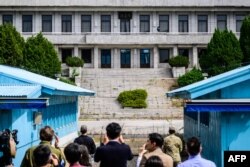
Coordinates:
(75, 51)
(175, 51)
(37, 22)
(116, 24)
(76, 24)
(116, 58)
(194, 62)
(58, 27)
(136, 60)
(18, 22)
(156, 57)
(96, 57)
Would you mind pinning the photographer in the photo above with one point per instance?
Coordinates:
(8, 141)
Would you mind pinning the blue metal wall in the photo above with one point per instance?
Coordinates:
(61, 115)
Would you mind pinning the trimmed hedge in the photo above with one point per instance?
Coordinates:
(74, 61)
(133, 98)
(190, 77)
(179, 61)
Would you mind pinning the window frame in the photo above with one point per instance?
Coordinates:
(89, 57)
(144, 23)
(160, 56)
(6, 21)
(202, 21)
(27, 23)
(182, 22)
(45, 22)
(162, 21)
(106, 19)
(66, 20)
(239, 21)
(220, 20)
(86, 21)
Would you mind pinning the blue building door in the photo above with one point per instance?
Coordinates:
(145, 58)
(125, 58)
(105, 58)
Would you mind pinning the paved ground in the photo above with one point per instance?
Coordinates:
(135, 126)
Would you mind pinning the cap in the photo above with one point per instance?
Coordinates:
(172, 128)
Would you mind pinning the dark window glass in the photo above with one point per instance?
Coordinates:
(183, 52)
(125, 25)
(125, 58)
(105, 58)
(105, 23)
(145, 58)
(66, 23)
(201, 51)
(86, 23)
(27, 23)
(46, 23)
(163, 23)
(144, 23)
(183, 23)
(204, 118)
(239, 20)
(66, 53)
(221, 22)
(7, 19)
(202, 23)
(164, 55)
(86, 55)
(192, 115)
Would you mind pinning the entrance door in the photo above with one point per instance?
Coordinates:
(105, 58)
(125, 58)
(145, 58)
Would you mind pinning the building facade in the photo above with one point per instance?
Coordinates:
(126, 34)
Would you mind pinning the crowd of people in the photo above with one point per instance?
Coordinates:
(113, 152)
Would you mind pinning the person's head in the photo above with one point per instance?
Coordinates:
(42, 155)
(154, 141)
(113, 130)
(171, 130)
(193, 146)
(84, 160)
(154, 161)
(72, 153)
(83, 129)
(46, 133)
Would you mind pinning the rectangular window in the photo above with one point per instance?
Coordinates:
(202, 23)
(183, 52)
(86, 55)
(144, 23)
(86, 23)
(7, 19)
(27, 23)
(66, 53)
(125, 18)
(164, 55)
(66, 23)
(183, 23)
(105, 23)
(204, 118)
(46, 23)
(222, 22)
(239, 20)
(163, 23)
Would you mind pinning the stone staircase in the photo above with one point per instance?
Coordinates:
(108, 83)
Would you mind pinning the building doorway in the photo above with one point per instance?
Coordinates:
(105, 58)
(125, 58)
(145, 58)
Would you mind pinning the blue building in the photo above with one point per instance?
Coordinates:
(217, 110)
(29, 101)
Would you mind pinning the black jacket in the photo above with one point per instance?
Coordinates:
(87, 141)
(113, 154)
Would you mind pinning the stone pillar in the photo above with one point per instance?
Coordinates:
(58, 24)
(116, 24)
(75, 52)
(76, 23)
(194, 62)
(96, 57)
(213, 22)
(136, 59)
(37, 23)
(175, 51)
(97, 22)
(116, 63)
(135, 22)
(18, 22)
(156, 57)
(174, 23)
(231, 23)
(192, 27)
(155, 22)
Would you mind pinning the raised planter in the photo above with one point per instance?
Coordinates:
(75, 71)
(178, 71)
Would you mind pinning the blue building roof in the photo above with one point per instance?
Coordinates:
(27, 91)
(49, 86)
(212, 84)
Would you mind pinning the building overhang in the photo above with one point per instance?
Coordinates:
(23, 103)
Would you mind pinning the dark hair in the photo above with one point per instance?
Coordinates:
(193, 146)
(84, 160)
(83, 129)
(113, 130)
(154, 161)
(171, 131)
(46, 133)
(41, 155)
(157, 138)
(72, 153)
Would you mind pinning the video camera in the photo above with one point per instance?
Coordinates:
(8, 141)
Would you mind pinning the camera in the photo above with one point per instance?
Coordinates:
(8, 141)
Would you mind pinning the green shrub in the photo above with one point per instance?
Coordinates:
(65, 80)
(133, 98)
(179, 61)
(190, 77)
(74, 61)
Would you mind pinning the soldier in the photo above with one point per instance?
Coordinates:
(173, 146)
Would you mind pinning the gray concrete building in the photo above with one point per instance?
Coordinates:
(125, 33)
